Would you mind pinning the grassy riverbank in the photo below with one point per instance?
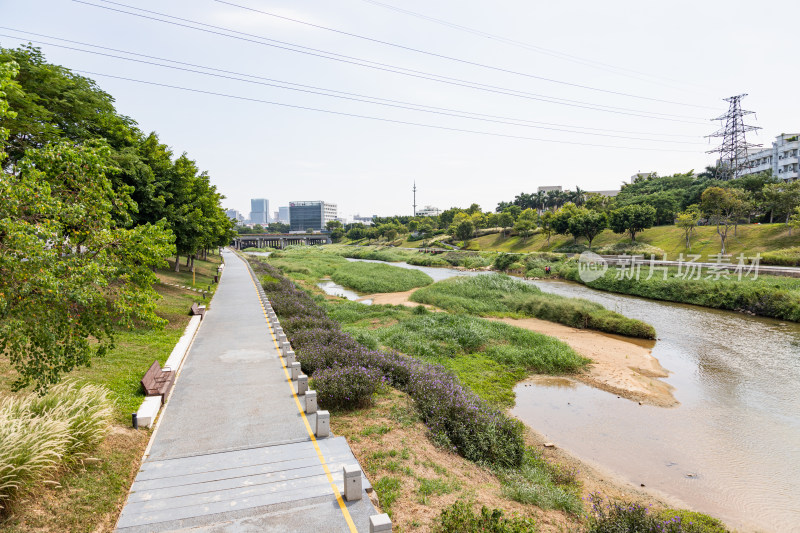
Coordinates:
(499, 295)
(89, 496)
(769, 296)
(489, 357)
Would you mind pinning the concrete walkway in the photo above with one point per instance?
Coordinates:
(232, 451)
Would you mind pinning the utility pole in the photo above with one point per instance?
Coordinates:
(415, 198)
(733, 150)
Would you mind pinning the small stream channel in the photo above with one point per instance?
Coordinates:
(732, 446)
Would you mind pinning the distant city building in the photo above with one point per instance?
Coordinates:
(429, 211)
(235, 215)
(314, 215)
(259, 211)
(548, 188)
(642, 175)
(283, 214)
(781, 158)
(364, 220)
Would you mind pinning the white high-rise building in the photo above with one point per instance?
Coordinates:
(259, 211)
(283, 215)
(781, 158)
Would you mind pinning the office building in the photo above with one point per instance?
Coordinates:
(283, 215)
(235, 215)
(310, 214)
(259, 211)
(781, 158)
(548, 188)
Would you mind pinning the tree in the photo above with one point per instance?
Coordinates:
(506, 221)
(687, 221)
(391, 234)
(332, 225)
(524, 227)
(587, 224)
(71, 275)
(560, 219)
(720, 206)
(632, 219)
(546, 222)
(465, 230)
(794, 220)
(356, 233)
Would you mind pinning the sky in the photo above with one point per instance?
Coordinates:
(633, 83)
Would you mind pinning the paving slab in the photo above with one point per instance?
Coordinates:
(232, 451)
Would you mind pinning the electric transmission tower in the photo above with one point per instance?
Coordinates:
(733, 150)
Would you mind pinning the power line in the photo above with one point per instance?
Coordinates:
(318, 90)
(459, 60)
(379, 119)
(390, 68)
(540, 49)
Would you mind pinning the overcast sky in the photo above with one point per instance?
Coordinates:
(652, 75)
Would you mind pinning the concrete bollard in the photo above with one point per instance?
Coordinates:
(295, 367)
(352, 482)
(285, 348)
(379, 523)
(302, 384)
(290, 357)
(311, 401)
(281, 338)
(323, 424)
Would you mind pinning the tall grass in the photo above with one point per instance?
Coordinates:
(40, 433)
(376, 277)
(498, 294)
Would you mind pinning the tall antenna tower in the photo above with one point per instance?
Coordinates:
(733, 150)
(415, 198)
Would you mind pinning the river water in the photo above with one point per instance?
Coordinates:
(732, 446)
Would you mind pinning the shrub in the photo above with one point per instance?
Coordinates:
(503, 261)
(784, 257)
(460, 518)
(617, 517)
(346, 387)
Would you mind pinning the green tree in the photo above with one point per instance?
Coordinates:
(632, 219)
(560, 220)
(465, 230)
(546, 223)
(506, 221)
(589, 224)
(720, 206)
(524, 227)
(794, 220)
(391, 234)
(332, 225)
(71, 274)
(687, 221)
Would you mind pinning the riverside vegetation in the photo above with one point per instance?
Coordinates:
(769, 296)
(454, 372)
(495, 295)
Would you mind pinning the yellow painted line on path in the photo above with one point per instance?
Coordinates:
(339, 500)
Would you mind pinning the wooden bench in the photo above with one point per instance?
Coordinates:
(198, 310)
(158, 382)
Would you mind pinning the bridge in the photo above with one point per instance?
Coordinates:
(279, 241)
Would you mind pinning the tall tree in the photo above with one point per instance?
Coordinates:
(687, 221)
(632, 219)
(720, 206)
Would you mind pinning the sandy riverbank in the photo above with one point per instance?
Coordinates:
(621, 366)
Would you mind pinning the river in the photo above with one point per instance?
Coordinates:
(732, 446)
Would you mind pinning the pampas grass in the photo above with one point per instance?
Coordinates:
(40, 433)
